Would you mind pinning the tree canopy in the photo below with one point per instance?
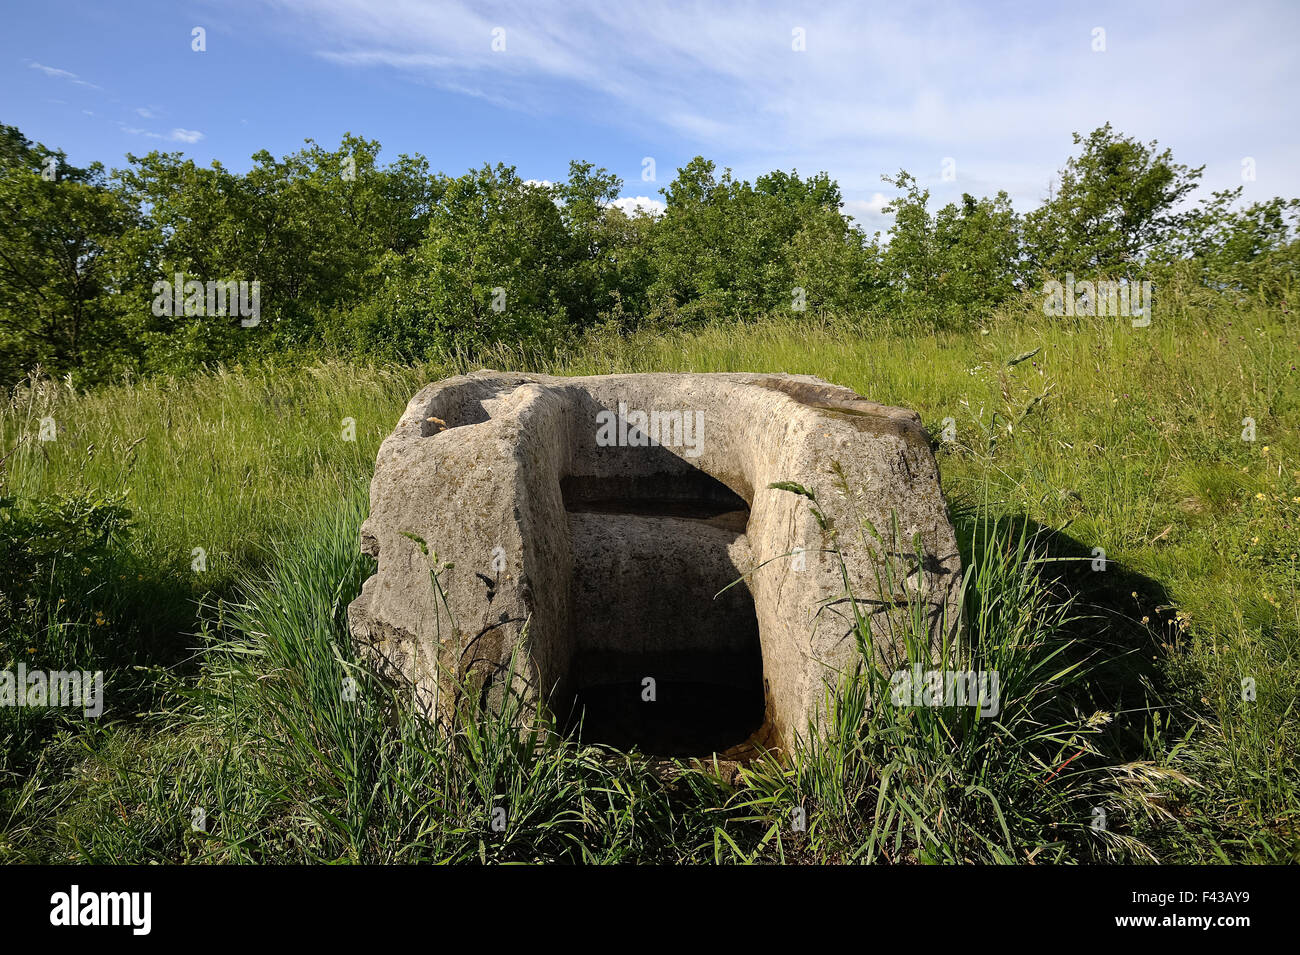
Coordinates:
(394, 261)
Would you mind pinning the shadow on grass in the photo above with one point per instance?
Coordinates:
(1108, 637)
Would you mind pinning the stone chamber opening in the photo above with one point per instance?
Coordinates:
(650, 554)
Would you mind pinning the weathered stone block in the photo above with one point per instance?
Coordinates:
(597, 519)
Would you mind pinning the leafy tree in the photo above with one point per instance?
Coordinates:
(910, 259)
(57, 260)
(489, 269)
(1253, 247)
(726, 249)
(605, 268)
(311, 228)
(961, 261)
(833, 264)
(1115, 202)
(978, 252)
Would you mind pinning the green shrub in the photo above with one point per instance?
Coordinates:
(56, 556)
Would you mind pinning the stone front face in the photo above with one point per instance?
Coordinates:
(597, 522)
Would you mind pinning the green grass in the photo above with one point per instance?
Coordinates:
(1127, 690)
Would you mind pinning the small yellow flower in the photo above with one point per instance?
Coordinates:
(1264, 449)
(31, 649)
(1259, 497)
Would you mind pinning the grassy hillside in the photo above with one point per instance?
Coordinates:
(1054, 437)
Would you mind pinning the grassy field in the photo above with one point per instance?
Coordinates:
(225, 738)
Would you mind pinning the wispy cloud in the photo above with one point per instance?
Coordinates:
(178, 135)
(58, 74)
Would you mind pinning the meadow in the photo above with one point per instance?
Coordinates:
(1128, 502)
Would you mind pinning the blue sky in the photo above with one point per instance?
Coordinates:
(997, 87)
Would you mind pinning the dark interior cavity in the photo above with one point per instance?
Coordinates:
(651, 552)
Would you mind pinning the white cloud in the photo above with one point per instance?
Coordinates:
(185, 135)
(869, 214)
(631, 204)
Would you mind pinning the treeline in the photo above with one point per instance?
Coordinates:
(392, 261)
